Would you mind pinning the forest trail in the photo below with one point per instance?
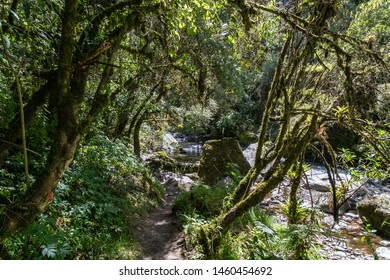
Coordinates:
(160, 234)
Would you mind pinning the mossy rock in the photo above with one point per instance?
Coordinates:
(377, 213)
(215, 158)
(247, 138)
(160, 160)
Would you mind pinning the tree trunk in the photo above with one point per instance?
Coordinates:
(136, 139)
(211, 233)
(19, 216)
(295, 181)
(242, 189)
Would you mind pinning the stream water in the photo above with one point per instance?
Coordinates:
(346, 239)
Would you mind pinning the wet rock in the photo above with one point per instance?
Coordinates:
(385, 243)
(351, 215)
(215, 158)
(339, 248)
(353, 228)
(193, 176)
(171, 179)
(192, 148)
(378, 187)
(317, 180)
(376, 211)
(160, 160)
(383, 253)
(340, 255)
(340, 226)
(357, 252)
(185, 182)
(327, 207)
(170, 144)
(359, 194)
(250, 153)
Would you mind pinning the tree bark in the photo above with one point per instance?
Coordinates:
(69, 89)
(136, 138)
(211, 234)
(19, 216)
(243, 188)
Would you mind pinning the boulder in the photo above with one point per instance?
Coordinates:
(215, 158)
(376, 211)
(161, 161)
(170, 144)
(246, 138)
(250, 156)
(175, 180)
(383, 253)
(317, 181)
(327, 206)
(250, 153)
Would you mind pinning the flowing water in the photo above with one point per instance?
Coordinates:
(348, 238)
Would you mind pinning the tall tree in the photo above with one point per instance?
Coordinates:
(76, 90)
(300, 99)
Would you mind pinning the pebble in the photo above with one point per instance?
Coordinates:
(340, 226)
(339, 248)
(357, 252)
(351, 215)
(341, 254)
(353, 228)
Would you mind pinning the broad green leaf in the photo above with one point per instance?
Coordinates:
(266, 229)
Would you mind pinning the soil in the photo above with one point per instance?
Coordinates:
(160, 234)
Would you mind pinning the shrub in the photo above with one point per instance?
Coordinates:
(93, 207)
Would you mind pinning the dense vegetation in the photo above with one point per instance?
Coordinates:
(87, 87)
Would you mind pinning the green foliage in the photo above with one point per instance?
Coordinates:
(371, 22)
(271, 240)
(236, 120)
(368, 236)
(341, 112)
(196, 119)
(256, 235)
(347, 157)
(93, 207)
(202, 201)
(299, 216)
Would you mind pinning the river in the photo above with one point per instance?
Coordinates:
(347, 239)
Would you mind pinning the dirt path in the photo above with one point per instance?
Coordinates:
(161, 238)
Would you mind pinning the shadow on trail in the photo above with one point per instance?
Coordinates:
(161, 237)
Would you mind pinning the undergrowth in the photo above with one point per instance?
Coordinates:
(93, 207)
(256, 235)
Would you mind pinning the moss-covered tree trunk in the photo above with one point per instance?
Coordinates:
(19, 216)
(296, 131)
(66, 96)
(210, 234)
